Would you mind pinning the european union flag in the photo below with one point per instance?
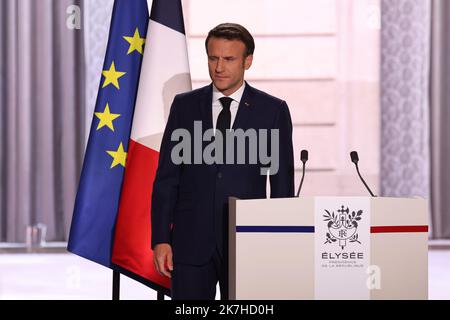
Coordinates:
(97, 201)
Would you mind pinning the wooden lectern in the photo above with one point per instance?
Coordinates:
(328, 248)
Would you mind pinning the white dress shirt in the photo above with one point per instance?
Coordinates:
(217, 106)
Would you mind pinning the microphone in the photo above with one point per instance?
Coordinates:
(303, 158)
(355, 159)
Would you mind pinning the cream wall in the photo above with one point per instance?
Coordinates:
(322, 57)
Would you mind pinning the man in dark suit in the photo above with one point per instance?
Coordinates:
(190, 199)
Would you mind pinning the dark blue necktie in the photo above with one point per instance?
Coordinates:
(224, 121)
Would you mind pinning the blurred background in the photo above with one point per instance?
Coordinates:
(365, 75)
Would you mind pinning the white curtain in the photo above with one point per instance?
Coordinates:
(405, 72)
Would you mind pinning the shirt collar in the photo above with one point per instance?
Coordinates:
(236, 96)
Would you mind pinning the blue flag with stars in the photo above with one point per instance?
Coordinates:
(97, 201)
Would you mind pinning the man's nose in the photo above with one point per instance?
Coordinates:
(219, 65)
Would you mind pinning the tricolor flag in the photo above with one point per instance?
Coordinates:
(165, 73)
(97, 201)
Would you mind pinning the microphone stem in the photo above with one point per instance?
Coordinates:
(301, 182)
(357, 169)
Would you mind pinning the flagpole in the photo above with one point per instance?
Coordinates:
(116, 285)
(160, 295)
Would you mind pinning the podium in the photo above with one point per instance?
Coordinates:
(328, 248)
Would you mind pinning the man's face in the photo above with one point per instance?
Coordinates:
(227, 64)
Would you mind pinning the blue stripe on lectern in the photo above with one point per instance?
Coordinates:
(281, 229)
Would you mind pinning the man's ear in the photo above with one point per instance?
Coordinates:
(248, 61)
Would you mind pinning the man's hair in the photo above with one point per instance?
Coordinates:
(232, 31)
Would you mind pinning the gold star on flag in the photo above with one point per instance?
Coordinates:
(112, 76)
(136, 42)
(119, 156)
(106, 118)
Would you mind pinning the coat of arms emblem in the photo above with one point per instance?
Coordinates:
(342, 227)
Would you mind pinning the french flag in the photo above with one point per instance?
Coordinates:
(164, 73)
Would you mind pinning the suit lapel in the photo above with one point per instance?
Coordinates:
(244, 109)
(206, 107)
(206, 113)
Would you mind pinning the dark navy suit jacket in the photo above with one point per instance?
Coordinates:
(190, 201)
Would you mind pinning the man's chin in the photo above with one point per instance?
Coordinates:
(222, 85)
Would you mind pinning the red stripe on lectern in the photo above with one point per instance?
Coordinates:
(398, 229)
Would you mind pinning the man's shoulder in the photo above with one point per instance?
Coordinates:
(267, 99)
(264, 95)
(193, 94)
